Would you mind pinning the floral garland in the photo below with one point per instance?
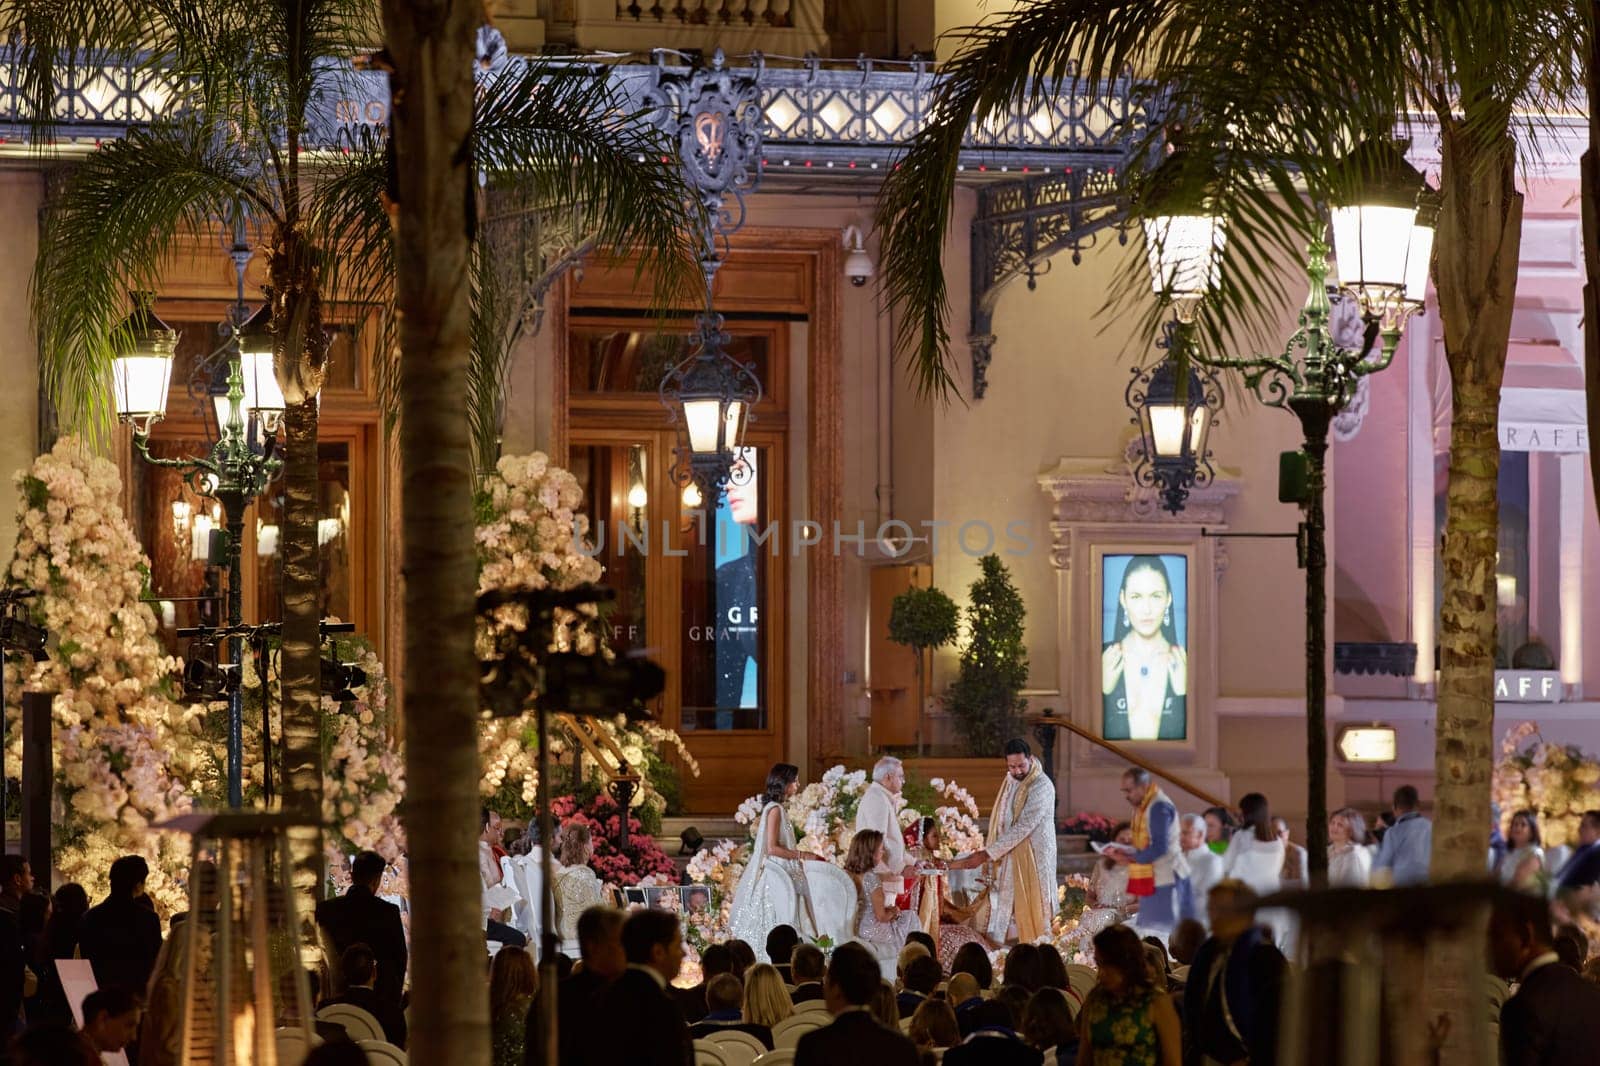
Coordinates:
(1556, 781)
(126, 757)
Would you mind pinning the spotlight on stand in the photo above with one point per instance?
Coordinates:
(18, 631)
(340, 680)
(206, 678)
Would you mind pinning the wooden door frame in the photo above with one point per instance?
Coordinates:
(814, 257)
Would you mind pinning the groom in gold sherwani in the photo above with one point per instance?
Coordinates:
(1022, 849)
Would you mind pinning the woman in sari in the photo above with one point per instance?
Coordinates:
(950, 923)
(773, 891)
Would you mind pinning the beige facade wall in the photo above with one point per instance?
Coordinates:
(20, 197)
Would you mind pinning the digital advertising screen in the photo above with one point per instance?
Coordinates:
(1144, 638)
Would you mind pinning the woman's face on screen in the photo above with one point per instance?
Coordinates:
(1145, 599)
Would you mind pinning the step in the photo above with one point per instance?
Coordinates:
(710, 827)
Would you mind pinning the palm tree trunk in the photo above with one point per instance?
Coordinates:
(431, 45)
(300, 672)
(1481, 225)
(1591, 253)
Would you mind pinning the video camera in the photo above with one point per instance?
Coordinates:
(523, 667)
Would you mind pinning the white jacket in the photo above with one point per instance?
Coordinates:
(879, 809)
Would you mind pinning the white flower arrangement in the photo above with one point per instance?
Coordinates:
(530, 534)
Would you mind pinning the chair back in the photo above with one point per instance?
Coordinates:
(708, 1054)
(359, 1023)
(783, 1056)
(788, 1032)
(738, 1049)
(382, 1053)
(293, 1047)
(1082, 979)
(818, 1005)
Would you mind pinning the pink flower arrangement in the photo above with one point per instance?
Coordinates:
(614, 866)
(1097, 827)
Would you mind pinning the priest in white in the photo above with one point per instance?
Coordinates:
(1205, 867)
(1022, 847)
(879, 809)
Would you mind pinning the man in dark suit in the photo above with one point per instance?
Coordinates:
(922, 976)
(807, 965)
(638, 1023)
(724, 996)
(1554, 1019)
(993, 1040)
(16, 881)
(855, 1035)
(781, 943)
(360, 968)
(122, 936)
(717, 959)
(1231, 1000)
(1579, 877)
(360, 917)
(578, 1017)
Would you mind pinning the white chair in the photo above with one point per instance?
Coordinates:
(783, 1056)
(360, 1024)
(708, 1054)
(1049, 1058)
(293, 1047)
(530, 879)
(905, 1024)
(811, 1005)
(738, 1049)
(787, 1033)
(1082, 980)
(522, 909)
(382, 1053)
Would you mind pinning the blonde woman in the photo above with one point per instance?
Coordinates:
(577, 887)
(766, 1000)
(1349, 858)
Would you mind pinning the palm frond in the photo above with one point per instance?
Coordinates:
(563, 135)
(117, 218)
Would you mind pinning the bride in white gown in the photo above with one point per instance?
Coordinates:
(782, 885)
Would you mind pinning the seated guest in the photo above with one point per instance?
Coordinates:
(499, 895)
(921, 977)
(780, 946)
(766, 997)
(513, 989)
(965, 999)
(110, 1019)
(637, 1022)
(1016, 998)
(852, 982)
(974, 960)
(1053, 970)
(806, 965)
(1024, 968)
(1184, 943)
(577, 887)
(1555, 1016)
(885, 1007)
(360, 968)
(1128, 1016)
(907, 953)
(917, 936)
(51, 1044)
(578, 998)
(744, 957)
(933, 1026)
(1048, 1025)
(724, 1000)
(994, 1041)
(716, 959)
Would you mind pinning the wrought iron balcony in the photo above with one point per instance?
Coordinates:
(819, 118)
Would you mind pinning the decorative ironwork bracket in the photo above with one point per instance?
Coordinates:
(1019, 227)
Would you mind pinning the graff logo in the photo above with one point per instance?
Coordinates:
(374, 112)
(710, 129)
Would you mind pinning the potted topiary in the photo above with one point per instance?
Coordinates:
(922, 619)
(994, 665)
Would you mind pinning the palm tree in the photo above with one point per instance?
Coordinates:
(253, 73)
(1272, 93)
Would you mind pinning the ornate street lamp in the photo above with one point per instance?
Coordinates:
(1184, 237)
(1174, 423)
(712, 395)
(1384, 246)
(234, 472)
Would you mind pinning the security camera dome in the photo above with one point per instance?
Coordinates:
(858, 268)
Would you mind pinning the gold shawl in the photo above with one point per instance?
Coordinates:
(1027, 908)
